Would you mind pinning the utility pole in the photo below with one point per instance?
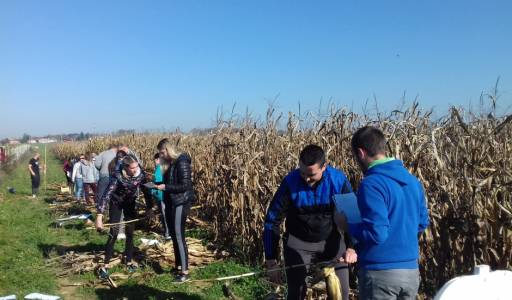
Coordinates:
(44, 170)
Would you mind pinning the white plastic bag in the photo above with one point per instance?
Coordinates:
(37, 296)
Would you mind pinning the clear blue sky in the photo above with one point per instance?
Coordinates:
(71, 66)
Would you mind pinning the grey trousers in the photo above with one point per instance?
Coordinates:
(388, 284)
(102, 187)
(297, 252)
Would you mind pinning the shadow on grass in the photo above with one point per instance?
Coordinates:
(48, 249)
(157, 268)
(74, 226)
(49, 200)
(138, 291)
(78, 209)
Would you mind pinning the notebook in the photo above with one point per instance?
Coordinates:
(347, 204)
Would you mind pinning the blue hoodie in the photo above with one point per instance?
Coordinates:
(394, 213)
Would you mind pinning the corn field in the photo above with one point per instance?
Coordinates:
(464, 161)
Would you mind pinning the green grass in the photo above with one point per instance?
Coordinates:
(24, 228)
(28, 236)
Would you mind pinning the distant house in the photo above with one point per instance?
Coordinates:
(46, 140)
(32, 141)
(14, 142)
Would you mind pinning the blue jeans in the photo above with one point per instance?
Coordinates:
(79, 188)
(388, 284)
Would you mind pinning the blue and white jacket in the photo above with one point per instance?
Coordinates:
(308, 210)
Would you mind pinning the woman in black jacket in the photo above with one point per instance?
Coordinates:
(178, 196)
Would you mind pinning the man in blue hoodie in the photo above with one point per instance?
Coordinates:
(394, 214)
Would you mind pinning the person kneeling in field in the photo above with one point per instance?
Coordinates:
(120, 196)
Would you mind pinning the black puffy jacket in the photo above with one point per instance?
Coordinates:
(178, 182)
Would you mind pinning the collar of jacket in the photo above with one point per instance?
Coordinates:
(380, 162)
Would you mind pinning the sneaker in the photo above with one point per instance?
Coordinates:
(33, 195)
(181, 278)
(121, 236)
(131, 268)
(103, 273)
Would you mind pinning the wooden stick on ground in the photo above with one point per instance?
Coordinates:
(124, 222)
(111, 282)
(119, 223)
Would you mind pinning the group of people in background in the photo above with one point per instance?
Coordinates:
(116, 176)
(82, 177)
(384, 243)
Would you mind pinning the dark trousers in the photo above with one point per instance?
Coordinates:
(115, 211)
(90, 191)
(36, 180)
(298, 252)
(70, 185)
(176, 219)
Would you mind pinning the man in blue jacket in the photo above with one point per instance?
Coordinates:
(304, 198)
(394, 214)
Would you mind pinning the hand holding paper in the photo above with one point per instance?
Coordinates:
(150, 185)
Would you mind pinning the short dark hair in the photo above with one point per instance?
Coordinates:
(370, 139)
(120, 154)
(312, 154)
(156, 156)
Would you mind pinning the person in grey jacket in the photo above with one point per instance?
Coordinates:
(76, 178)
(90, 177)
(101, 163)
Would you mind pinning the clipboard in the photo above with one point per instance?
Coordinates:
(347, 205)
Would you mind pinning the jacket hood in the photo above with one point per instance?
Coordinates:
(393, 169)
(185, 157)
(137, 173)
